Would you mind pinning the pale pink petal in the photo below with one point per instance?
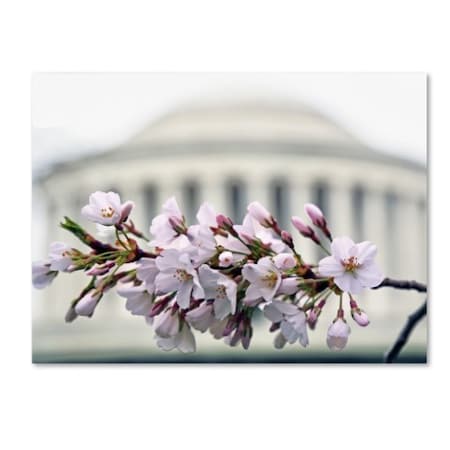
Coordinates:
(168, 259)
(273, 313)
(89, 213)
(184, 294)
(185, 340)
(370, 275)
(231, 290)
(285, 308)
(166, 282)
(206, 215)
(349, 282)
(208, 278)
(222, 307)
(288, 286)
(366, 251)
(330, 267)
(341, 246)
(171, 208)
(166, 344)
(114, 200)
(197, 291)
(344, 281)
(252, 293)
(251, 272)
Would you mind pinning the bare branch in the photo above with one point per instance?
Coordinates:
(402, 284)
(403, 337)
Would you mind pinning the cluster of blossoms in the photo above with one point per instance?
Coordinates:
(215, 274)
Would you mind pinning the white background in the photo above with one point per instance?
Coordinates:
(216, 407)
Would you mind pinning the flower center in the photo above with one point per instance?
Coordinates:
(351, 264)
(270, 280)
(182, 275)
(107, 212)
(220, 292)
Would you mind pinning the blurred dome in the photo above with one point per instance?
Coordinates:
(250, 120)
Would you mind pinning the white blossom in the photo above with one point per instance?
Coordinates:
(220, 288)
(106, 208)
(146, 272)
(251, 229)
(139, 300)
(178, 274)
(337, 335)
(201, 317)
(264, 278)
(352, 265)
(184, 341)
(163, 227)
(167, 324)
(293, 324)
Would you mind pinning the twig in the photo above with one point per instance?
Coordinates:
(402, 284)
(403, 337)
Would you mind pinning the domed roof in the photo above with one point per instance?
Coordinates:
(259, 127)
(246, 121)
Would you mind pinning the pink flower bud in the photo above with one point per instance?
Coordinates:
(318, 219)
(100, 270)
(223, 221)
(360, 317)
(314, 313)
(125, 211)
(260, 214)
(284, 261)
(286, 237)
(316, 215)
(304, 229)
(313, 316)
(87, 304)
(177, 224)
(71, 315)
(225, 259)
(337, 335)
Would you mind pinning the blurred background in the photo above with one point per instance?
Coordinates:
(355, 144)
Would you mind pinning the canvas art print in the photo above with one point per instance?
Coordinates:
(229, 218)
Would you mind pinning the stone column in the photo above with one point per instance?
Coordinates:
(341, 210)
(212, 190)
(258, 190)
(409, 244)
(301, 193)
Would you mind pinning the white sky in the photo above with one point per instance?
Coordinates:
(77, 113)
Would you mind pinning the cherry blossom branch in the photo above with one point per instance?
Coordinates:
(403, 337)
(402, 284)
(214, 274)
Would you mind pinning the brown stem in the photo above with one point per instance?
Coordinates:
(406, 331)
(402, 284)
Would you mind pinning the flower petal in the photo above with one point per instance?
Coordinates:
(184, 294)
(366, 251)
(330, 267)
(370, 275)
(340, 247)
